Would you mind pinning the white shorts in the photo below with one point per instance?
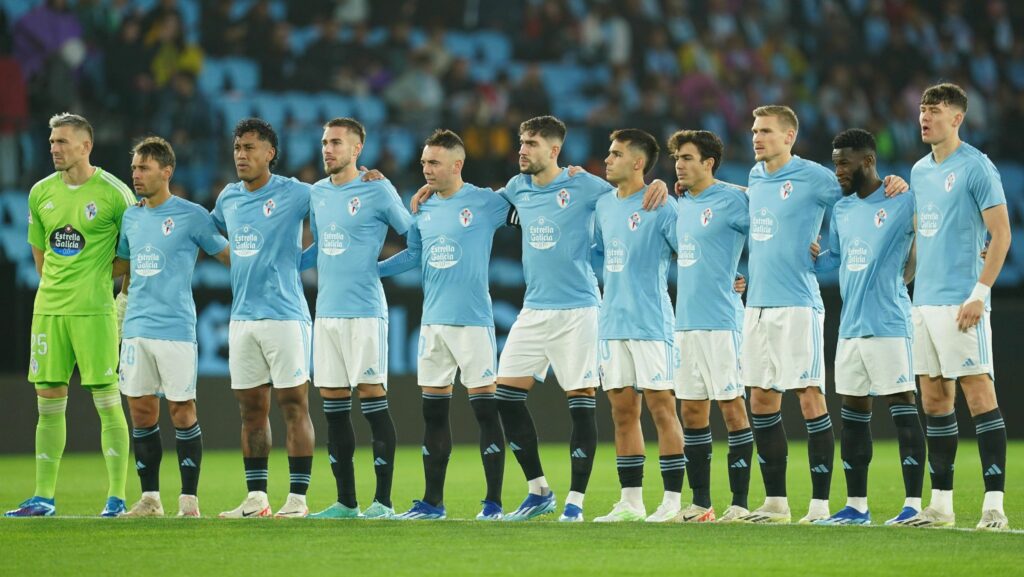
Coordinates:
(158, 367)
(347, 352)
(873, 366)
(940, 349)
(647, 365)
(783, 348)
(445, 349)
(564, 340)
(268, 351)
(709, 365)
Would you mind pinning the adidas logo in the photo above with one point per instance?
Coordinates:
(968, 363)
(139, 465)
(656, 378)
(109, 373)
(760, 460)
(369, 372)
(820, 469)
(578, 454)
(741, 464)
(378, 462)
(332, 460)
(902, 379)
(112, 453)
(910, 461)
(804, 375)
(492, 449)
(423, 448)
(48, 206)
(589, 375)
(514, 447)
(846, 466)
(730, 388)
(43, 457)
(487, 373)
(993, 470)
(188, 462)
(298, 373)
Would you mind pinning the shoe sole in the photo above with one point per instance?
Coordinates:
(761, 520)
(260, 515)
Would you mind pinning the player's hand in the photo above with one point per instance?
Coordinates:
(815, 249)
(969, 315)
(740, 284)
(574, 170)
(895, 185)
(120, 306)
(656, 195)
(419, 198)
(371, 174)
(678, 187)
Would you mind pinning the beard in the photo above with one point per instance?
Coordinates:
(857, 180)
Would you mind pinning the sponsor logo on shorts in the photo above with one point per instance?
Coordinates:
(465, 217)
(33, 365)
(168, 226)
(563, 198)
(764, 226)
(67, 241)
(785, 190)
(90, 210)
(268, 207)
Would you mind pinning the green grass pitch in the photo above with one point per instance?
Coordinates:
(210, 546)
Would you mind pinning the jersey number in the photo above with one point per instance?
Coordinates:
(39, 346)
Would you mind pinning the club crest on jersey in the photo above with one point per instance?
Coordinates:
(465, 217)
(353, 206)
(563, 198)
(950, 181)
(168, 226)
(90, 209)
(706, 216)
(634, 221)
(786, 190)
(268, 208)
(880, 217)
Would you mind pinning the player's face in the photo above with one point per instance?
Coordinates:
(938, 122)
(621, 162)
(439, 168)
(850, 168)
(68, 147)
(536, 153)
(340, 148)
(771, 138)
(690, 169)
(147, 177)
(252, 156)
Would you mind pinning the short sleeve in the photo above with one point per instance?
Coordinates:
(218, 212)
(123, 250)
(497, 208)
(741, 214)
(206, 236)
(395, 214)
(668, 215)
(829, 191)
(36, 232)
(986, 185)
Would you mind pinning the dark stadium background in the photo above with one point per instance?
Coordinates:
(188, 70)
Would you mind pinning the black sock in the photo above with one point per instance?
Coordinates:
(299, 470)
(741, 452)
(631, 470)
(856, 450)
(492, 441)
(912, 452)
(519, 429)
(673, 469)
(821, 452)
(583, 441)
(341, 446)
(256, 473)
(382, 433)
(772, 452)
(941, 433)
(148, 453)
(437, 445)
(190, 457)
(698, 464)
(991, 433)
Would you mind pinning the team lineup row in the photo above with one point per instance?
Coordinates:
(628, 341)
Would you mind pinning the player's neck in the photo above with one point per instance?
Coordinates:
(775, 163)
(630, 187)
(943, 150)
(870, 186)
(450, 190)
(345, 176)
(700, 187)
(546, 176)
(159, 198)
(258, 183)
(78, 174)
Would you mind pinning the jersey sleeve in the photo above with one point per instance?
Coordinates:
(740, 221)
(497, 208)
(310, 253)
(829, 191)
(829, 259)
(508, 192)
(218, 212)
(205, 234)
(123, 199)
(36, 232)
(986, 185)
(123, 250)
(668, 215)
(394, 213)
(405, 260)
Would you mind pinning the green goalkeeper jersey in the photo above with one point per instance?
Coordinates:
(77, 230)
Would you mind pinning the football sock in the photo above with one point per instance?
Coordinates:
(519, 429)
(341, 446)
(741, 453)
(912, 451)
(382, 432)
(772, 452)
(673, 469)
(437, 445)
(942, 442)
(256, 473)
(991, 432)
(492, 441)
(299, 470)
(148, 454)
(113, 436)
(582, 441)
(698, 464)
(190, 457)
(821, 450)
(856, 449)
(51, 435)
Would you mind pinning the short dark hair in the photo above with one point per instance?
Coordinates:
(445, 139)
(264, 131)
(353, 126)
(639, 140)
(545, 127)
(156, 148)
(708, 145)
(855, 139)
(76, 121)
(945, 93)
(784, 113)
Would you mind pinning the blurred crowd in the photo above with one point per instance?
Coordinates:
(132, 68)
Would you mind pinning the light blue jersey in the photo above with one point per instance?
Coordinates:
(869, 241)
(637, 249)
(264, 228)
(950, 230)
(350, 223)
(710, 233)
(162, 244)
(451, 241)
(558, 223)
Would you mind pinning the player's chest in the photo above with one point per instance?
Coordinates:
(82, 211)
(463, 222)
(350, 213)
(782, 197)
(562, 205)
(629, 224)
(167, 234)
(262, 213)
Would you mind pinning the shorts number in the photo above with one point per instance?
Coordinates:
(128, 355)
(39, 346)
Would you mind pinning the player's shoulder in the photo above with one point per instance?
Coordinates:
(289, 183)
(589, 181)
(924, 163)
(44, 185)
(977, 160)
(813, 169)
(733, 193)
(115, 185)
(517, 182)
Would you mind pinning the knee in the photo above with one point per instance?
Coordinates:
(764, 402)
(625, 417)
(812, 403)
(735, 415)
(183, 415)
